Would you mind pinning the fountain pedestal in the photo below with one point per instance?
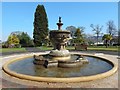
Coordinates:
(59, 40)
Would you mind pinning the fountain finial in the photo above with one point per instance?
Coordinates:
(59, 24)
(59, 19)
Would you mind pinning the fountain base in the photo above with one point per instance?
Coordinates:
(48, 61)
(59, 53)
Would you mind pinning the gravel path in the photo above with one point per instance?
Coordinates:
(12, 82)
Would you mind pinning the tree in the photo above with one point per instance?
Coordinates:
(111, 29)
(89, 39)
(97, 29)
(119, 37)
(25, 40)
(13, 40)
(72, 30)
(79, 36)
(40, 25)
(16, 33)
(106, 38)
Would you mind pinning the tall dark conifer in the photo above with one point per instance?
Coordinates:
(40, 25)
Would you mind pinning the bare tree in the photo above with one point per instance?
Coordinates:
(97, 29)
(111, 29)
(82, 28)
(72, 29)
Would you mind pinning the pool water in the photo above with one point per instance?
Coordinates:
(95, 66)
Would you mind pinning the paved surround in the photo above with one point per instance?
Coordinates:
(109, 82)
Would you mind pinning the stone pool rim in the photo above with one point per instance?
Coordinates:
(54, 79)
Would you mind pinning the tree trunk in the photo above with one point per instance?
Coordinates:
(97, 40)
(106, 43)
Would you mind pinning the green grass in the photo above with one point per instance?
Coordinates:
(45, 48)
(103, 48)
(13, 50)
(70, 47)
(50, 48)
(97, 48)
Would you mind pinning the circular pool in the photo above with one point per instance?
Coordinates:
(96, 68)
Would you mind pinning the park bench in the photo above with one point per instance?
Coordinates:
(80, 47)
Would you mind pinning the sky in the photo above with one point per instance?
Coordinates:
(19, 16)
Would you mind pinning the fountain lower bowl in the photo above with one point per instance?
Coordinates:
(60, 53)
(7, 70)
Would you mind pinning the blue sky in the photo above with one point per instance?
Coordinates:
(19, 16)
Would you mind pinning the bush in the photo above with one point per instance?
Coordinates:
(4, 46)
(116, 44)
(18, 46)
(100, 45)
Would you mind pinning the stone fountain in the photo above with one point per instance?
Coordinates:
(59, 56)
(59, 40)
(87, 67)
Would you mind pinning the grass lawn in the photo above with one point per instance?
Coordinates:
(97, 48)
(12, 50)
(43, 48)
(70, 47)
(50, 48)
(103, 48)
